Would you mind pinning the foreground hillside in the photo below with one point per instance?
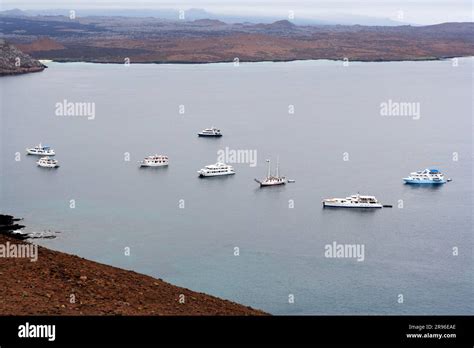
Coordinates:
(114, 39)
(63, 284)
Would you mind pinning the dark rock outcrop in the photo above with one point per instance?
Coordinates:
(13, 61)
(9, 227)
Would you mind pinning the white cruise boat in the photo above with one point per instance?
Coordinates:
(217, 169)
(427, 176)
(47, 162)
(272, 180)
(40, 150)
(210, 132)
(154, 161)
(354, 201)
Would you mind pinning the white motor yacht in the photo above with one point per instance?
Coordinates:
(210, 132)
(354, 201)
(40, 150)
(47, 162)
(154, 161)
(217, 169)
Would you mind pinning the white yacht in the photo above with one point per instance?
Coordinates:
(354, 201)
(47, 162)
(210, 132)
(272, 180)
(40, 150)
(154, 161)
(216, 170)
(427, 176)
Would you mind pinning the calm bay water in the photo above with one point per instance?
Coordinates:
(408, 250)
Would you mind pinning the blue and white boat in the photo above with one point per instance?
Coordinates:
(40, 150)
(427, 176)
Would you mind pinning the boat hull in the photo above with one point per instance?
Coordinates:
(32, 152)
(48, 165)
(263, 184)
(204, 175)
(145, 165)
(423, 182)
(209, 135)
(351, 205)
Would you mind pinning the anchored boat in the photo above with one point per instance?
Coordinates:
(354, 201)
(272, 180)
(217, 169)
(40, 150)
(210, 132)
(427, 176)
(47, 162)
(154, 161)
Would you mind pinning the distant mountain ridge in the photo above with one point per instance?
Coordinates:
(193, 14)
(282, 24)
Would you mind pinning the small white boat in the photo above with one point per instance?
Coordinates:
(272, 180)
(217, 169)
(47, 162)
(154, 161)
(354, 201)
(427, 176)
(40, 150)
(210, 132)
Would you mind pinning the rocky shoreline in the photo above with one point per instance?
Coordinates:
(61, 284)
(421, 59)
(9, 226)
(21, 71)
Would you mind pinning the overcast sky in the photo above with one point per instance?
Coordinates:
(413, 11)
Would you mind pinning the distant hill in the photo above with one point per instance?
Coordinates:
(282, 24)
(193, 14)
(14, 12)
(151, 40)
(209, 22)
(13, 61)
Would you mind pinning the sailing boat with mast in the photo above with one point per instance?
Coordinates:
(272, 180)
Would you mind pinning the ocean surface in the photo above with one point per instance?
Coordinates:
(185, 230)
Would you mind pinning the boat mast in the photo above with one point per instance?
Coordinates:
(278, 163)
(268, 168)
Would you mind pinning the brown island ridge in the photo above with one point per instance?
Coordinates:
(153, 40)
(45, 287)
